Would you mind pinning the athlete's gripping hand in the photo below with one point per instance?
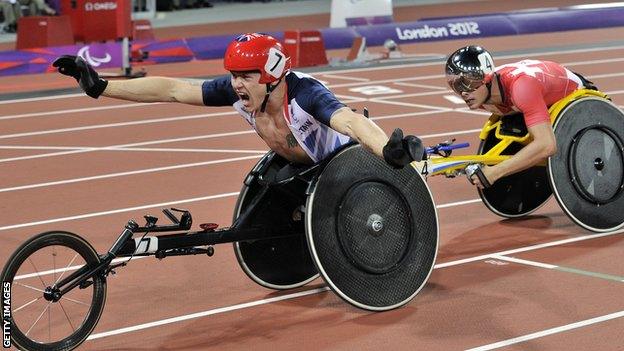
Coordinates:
(401, 151)
(87, 77)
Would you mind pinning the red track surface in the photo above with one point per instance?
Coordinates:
(471, 299)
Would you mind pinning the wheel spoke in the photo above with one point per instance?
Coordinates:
(27, 303)
(66, 316)
(29, 287)
(36, 271)
(54, 261)
(66, 268)
(38, 318)
(49, 326)
(76, 301)
(46, 303)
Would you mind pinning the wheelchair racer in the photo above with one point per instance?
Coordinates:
(295, 114)
(527, 86)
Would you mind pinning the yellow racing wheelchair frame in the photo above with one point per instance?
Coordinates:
(452, 166)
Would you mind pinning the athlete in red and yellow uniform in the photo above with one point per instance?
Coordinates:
(528, 87)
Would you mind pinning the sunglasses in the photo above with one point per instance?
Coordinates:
(461, 84)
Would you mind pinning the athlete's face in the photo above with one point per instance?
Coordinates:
(475, 98)
(248, 89)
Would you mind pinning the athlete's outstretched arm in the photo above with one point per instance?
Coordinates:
(360, 128)
(398, 150)
(156, 89)
(151, 89)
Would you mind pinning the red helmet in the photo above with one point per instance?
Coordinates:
(257, 52)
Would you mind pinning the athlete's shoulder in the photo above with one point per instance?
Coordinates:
(218, 92)
(299, 82)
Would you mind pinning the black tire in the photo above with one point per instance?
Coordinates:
(81, 247)
(279, 263)
(515, 195)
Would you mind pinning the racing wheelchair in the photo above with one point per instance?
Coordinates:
(586, 175)
(370, 231)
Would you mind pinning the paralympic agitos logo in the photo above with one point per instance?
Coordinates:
(93, 61)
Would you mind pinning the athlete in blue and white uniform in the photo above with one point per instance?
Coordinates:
(295, 114)
(308, 112)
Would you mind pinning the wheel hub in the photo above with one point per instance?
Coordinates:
(52, 294)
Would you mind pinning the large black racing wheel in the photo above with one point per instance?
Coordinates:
(278, 263)
(587, 173)
(372, 230)
(518, 194)
(37, 320)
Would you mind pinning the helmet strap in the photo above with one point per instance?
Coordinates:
(269, 90)
(488, 85)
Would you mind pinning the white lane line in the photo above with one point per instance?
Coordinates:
(527, 248)
(391, 81)
(594, 62)
(86, 109)
(550, 331)
(72, 268)
(120, 210)
(608, 75)
(498, 57)
(42, 98)
(352, 101)
(473, 112)
(349, 97)
(454, 99)
(147, 149)
(163, 141)
(409, 104)
(142, 149)
(315, 291)
(437, 77)
(208, 313)
(113, 148)
(409, 114)
(163, 204)
(383, 99)
(151, 142)
(120, 124)
(129, 173)
(426, 86)
(524, 262)
(33, 147)
(345, 77)
(451, 93)
(469, 131)
(368, 69)
(459, 203)
(560, 268)
(168, 168)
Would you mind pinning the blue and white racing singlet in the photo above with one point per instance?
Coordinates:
(308, 109)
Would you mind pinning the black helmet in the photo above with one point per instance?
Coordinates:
(467, 68)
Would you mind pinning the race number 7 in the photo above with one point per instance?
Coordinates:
(275, 63)
(279, 59)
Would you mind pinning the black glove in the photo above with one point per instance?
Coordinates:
(87, 77)
(401, 151)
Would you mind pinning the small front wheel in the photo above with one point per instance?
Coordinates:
(39, 321)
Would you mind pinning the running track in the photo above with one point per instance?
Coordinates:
(73, 163)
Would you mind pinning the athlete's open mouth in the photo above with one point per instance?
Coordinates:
(243, 96)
